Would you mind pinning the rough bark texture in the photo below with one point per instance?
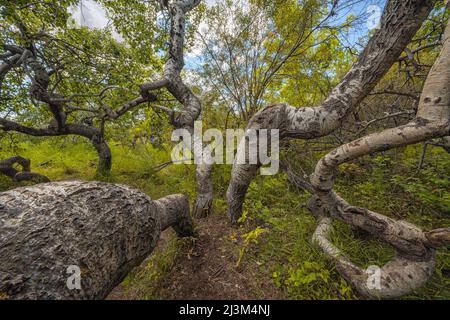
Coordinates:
(414, 263)
(399, 23)
(185, 118)
(205, 191)
(104, 229)
(7, 168)
(39, 91)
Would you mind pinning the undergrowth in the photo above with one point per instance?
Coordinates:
(276, 228)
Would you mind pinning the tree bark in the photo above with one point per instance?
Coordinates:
(414, 263)
(205, 191)
(192, 108)
(192, 105)
(399, 23)
(58, 126)
(104, 155)
(104, 229)
(7, 168)
(415, 260)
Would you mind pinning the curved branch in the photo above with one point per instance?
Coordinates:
(192, 107)
(91, 133)
(398, 277)
(7, 168)
(399, 23)
(414, 262)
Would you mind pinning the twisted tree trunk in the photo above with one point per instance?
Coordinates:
(105, 230)
(7, 168)
(58, 126)
(191, 111)
(414, 262)
(399, 23)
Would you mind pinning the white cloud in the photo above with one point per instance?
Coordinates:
(210, 2)
(91, 14)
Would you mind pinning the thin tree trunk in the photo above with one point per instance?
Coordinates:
(192, 107)
(104, 155)
(205, 191)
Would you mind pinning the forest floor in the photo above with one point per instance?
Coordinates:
(206, 268)
(269, 255)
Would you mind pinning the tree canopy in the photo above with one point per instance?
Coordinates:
(361, 110)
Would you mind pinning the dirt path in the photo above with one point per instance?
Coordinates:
(206, 269)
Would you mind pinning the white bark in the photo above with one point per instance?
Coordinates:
(399, 23)
(192, 107)
(414, 262)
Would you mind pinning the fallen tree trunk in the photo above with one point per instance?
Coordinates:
(49, 231)
(7, 168)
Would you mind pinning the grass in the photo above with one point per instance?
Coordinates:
(302, 271)
(144, 281)
(62, 160)
(283, 254)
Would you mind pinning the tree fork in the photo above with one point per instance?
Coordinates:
(399, 23)
(192, 107)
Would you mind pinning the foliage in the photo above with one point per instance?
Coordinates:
(274, 236)
(258, 52)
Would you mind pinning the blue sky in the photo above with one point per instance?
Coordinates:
(90, 13)
(369, 10)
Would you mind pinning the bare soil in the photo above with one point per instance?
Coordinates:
(206, 269)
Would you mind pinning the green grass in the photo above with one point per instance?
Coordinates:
(60, 159)
(303, 272)
(144, 281)
(389, 184)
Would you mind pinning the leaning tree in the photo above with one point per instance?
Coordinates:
(42, 87)
(414, 262)
(41, 56)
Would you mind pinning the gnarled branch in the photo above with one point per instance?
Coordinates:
(414, 262)
(399, 23)
(7, 168)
